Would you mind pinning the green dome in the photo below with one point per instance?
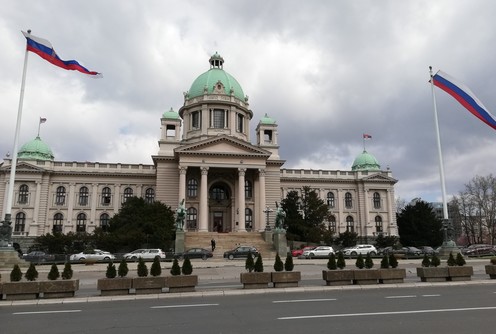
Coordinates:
(35, 150)
(365, 161)
(171, 114)
(206, 82)
(267, 120)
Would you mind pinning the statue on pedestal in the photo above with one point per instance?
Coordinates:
(180, 216)
(5, 234)
(280, 217)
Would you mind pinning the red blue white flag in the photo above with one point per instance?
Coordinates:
(367, 136)
(44, 49)
(464, 95)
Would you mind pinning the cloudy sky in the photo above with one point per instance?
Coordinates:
(327, 71)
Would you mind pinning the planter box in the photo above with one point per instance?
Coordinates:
(365, 276)
(460, 273)
(59, 288)
(337, 277)
(114, 286)
(181, 283)
(255, 280)
(391, 275)
(148, 285)
(21, 290)
(285, 279)
(433, 274)
(491, 270)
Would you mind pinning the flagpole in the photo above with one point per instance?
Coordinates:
(10, 194)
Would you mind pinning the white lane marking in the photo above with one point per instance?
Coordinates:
(179, 306)
(431, 295)
(303, 300)
(388, 313)
(47, 312)
(397, 297)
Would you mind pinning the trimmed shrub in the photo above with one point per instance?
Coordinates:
(142, 268)
(493, 260)
(426, 262)
(435, 261)
(331, 264)
(451, 260)
(460, 261)
(31, 273)
(187, 268)
(259, 264)
(278, 265)
(175, 270)
(16, 274)
(393, 261)
(54, 273)
(123, 269)
(67, 272)
(288, 264)
(156, 269)
(385, 262)
(249, 264)
(360, 263)
(111, 271)
(341, 262)
(369, 263)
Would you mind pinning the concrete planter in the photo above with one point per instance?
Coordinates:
(433, 274)
(148, 285)
(491, 270)
(114, 286)
(59, 288)
(285, 279)
(255, 280)
(365, 276)
(337, 277)
(460, 273)
(391, 275)
(181, 283)
(21, 290)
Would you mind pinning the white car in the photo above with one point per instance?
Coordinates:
(360, 249)
(321, 251)
(95, 254)
(146, 254)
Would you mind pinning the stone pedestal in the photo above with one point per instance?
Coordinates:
(280, 242)
(9, 257)
(267, 235)
(448, 247)
(179, 246)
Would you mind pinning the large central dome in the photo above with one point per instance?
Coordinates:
(206, 82)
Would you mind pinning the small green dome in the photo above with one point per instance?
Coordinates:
(365, 161)
(207, 81)
(267, 120)
(35, 150)
(171, 114)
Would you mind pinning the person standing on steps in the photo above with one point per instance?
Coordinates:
(212, 242)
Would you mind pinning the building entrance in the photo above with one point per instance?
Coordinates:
(218, 225)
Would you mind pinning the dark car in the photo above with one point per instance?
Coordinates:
(479, 250)
(39, 257)
(241, 252)
(194, 253)
(427, 250)
(412, 251)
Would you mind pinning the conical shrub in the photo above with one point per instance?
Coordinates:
(187, 268)
(53, 274)
(278, 265)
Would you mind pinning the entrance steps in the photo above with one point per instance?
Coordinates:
(228, 241)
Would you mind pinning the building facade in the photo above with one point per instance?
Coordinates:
(205, 157)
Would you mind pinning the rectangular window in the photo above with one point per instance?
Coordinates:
(240, 123)
(218, 119)
(196, 120)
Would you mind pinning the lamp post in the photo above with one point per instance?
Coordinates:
(267, 211)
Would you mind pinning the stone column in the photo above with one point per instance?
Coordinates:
(367, 213)
(241, 200)
(182, 183)
(204, 200)
(260, 221)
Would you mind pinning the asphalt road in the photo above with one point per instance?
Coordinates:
(436, 309)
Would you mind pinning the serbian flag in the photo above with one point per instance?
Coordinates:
(44, 49)
(464, 95)
(367, 136)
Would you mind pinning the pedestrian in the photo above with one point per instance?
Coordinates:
(212, 242)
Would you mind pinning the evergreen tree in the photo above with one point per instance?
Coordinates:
(249, 264)
(142, 268)
(341, 262)
(278, 265)
(451, 260)
(393, 261)
(331, 264)
(187, 268)
(111, 271)
(123, 269)
(418, 225)
(67, 272)
(53, 274)
(16, 274)
(259, 264)
(435, 262)
(385, 262)
(175, 269)
(156, 269)
(31, 273)
(426, 262)
(360, 263)
(347, 239)
(369, 263)
(460, 261)
(288, 264)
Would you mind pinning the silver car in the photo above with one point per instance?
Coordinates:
(95, 254)
(360, 249)
(321, 251)
(145, 254)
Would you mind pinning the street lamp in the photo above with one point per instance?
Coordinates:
(267, 211)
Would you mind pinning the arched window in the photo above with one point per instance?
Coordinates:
(58, 220)
(248, 189)
(377, 200)
(218, 193)
(81, 222)
(106, 196)
(128, 193)
(83, 196)
(104, 221)
(23, 194)
(248, 218)
(330, 200)
(332, 223)
(348, 200)
(20, 222)
(378, 224)
(60, 196)
(191, 216)
(350, 225)
(150, 195)
(192, 188)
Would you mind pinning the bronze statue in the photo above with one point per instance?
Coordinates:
(5, 234)
(280, 217)
(180, 216)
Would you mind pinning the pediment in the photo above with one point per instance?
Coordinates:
(378, 177)
(24, 167)
(222, 145)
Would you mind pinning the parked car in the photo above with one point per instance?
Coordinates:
(194, 253)
(427, 250)
(479, 250)
(145, 254)
(412, 251)
(360, 249)
(38, 257)
(93, 254)
(299, 252)
(241, 252)
(318, 252)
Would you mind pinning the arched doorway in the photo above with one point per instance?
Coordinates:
(220, 208)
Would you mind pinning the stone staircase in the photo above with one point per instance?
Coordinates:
(228, 241)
